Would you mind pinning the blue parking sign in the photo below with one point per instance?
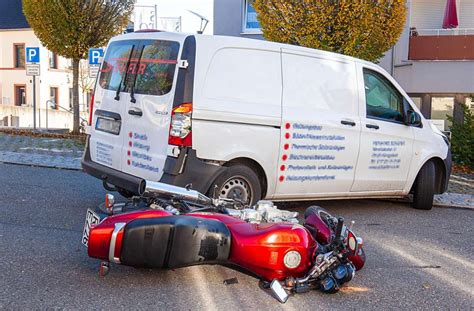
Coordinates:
(32, 55)
(95, 55)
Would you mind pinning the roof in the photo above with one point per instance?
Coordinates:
(11, 15)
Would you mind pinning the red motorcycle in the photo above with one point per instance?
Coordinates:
(171, 227)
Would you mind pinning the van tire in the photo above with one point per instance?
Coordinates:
(425, 187)
(240, 181)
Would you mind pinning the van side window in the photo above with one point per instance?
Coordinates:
(383, 101)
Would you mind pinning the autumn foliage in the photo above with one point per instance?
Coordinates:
(365, 29)
(70, 27)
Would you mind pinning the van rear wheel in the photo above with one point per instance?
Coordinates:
(424, 187)
(238, 182)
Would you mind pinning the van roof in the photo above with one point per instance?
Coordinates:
(227, 41)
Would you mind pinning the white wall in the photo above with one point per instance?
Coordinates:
(49, 77)
(56, 119)
(190, 23)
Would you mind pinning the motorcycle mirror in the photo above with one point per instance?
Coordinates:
(278, 291)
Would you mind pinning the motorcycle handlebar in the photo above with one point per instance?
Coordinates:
(340, 223)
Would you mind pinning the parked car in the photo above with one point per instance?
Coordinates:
(252, 119)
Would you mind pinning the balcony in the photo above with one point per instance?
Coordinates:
(442, 44)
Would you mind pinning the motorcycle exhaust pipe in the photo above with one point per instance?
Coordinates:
(154, 189)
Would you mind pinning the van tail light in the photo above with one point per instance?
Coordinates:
(91, 109)
(180, 127)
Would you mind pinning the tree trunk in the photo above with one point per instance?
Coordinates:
(75, 95)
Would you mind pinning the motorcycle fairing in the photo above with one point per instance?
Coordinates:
(175, 241)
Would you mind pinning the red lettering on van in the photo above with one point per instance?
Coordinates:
(120, 67)
(132, 68)
(141, 69)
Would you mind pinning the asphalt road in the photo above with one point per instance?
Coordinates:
(416, 259)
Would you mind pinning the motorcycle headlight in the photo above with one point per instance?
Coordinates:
(351, 242)
(292, 259)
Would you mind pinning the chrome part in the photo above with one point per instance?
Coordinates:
(278, 291)
(264, 212)
(153, 189)
(234, 212)
(270, 213)
(109, 203)
(264, 204)
(118, 226)
(172, 210)
(104, 268)
(292, 259)
(323, 263)
(251, 216)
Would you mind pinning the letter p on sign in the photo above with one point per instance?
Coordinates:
(95, 55)
(32, 55)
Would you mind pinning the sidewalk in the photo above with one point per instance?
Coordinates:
(38, 151)
(67, 154)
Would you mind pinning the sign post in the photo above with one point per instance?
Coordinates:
(95, 58)
(33, 69)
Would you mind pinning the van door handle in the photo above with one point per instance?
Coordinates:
(372, 126)
(348, 122)
(135, 112)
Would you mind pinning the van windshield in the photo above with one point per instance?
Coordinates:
(151, 66)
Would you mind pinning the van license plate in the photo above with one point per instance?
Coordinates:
(108, 125)
(91, 219)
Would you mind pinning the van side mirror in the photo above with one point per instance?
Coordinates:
(413, 118)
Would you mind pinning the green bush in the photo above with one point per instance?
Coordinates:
(462, 139)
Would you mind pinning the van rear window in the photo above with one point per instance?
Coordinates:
(148, 66)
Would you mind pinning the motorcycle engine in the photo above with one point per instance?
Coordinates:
(265, 212)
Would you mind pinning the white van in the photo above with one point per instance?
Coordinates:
(251, 119)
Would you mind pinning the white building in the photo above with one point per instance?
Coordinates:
(16, 88)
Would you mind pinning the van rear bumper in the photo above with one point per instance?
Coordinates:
(107, 174)
(181, 171)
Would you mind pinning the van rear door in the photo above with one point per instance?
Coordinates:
(136, 86)
(106, 138)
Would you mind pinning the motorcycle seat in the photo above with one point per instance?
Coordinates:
(174, 241)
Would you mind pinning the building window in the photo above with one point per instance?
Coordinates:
(53, 60)
(20, 95)
(53, 95)
(19, 55)
(470, 103)
(442, 107)
(417, 101)
(250, 21)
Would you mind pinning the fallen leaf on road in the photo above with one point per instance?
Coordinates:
(353, 289)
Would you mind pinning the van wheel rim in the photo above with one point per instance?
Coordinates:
(237, 188)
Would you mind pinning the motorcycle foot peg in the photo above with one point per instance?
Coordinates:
(104, 268)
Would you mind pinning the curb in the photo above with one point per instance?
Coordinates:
(454, 206)
(42, 166)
